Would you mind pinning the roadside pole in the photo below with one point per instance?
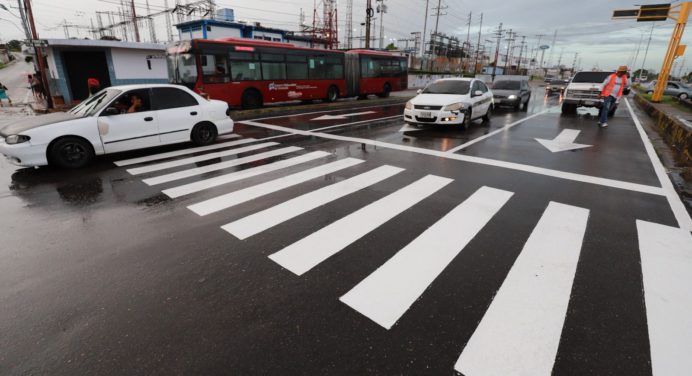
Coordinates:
(39, 55)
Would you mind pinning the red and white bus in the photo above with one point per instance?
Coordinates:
(247, 73)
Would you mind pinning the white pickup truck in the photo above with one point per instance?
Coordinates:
(585, 91)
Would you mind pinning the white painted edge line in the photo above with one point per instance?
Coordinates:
(260, 221)
(311, 250)
(503, 129)
(321, 112)
(243, 174)
(238, 197)
(386, 294)
(219, 166)
(520, 331)
(676, 205)
(199, 158)
(666, 259)
(478, 160)
(175, 153)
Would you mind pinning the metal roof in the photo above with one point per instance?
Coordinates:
(104, 44)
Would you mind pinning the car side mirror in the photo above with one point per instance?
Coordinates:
(110, 111)
(419, 91)
(477, 93)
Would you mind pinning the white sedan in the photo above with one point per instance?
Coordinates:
(450, 101)
(115, 119)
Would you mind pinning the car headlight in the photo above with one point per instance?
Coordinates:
(454, 107)
(16, 139)
(512, 97)
(409, 105)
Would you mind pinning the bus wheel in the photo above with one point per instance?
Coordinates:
(251, 99)
(385, 91)
(332, 94)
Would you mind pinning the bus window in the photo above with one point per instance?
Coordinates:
(182, 69)
(296, 67)
(244, 67)
(316, 68)
(215, 68)
(273, 67)
(334, 68)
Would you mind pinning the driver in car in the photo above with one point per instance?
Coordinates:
(135, 104)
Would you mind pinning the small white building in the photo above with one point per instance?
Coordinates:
(72, 61)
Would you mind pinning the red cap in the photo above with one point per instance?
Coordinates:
(93, 82)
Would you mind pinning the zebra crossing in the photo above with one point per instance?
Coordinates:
(521, 329)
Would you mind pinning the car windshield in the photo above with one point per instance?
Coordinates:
(95, 103)
(558, 82)
(506, 85)
(596, 77)
(448, 87)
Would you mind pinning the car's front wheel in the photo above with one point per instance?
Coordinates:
(204, 134)
(70, 152)
(682, 96)
(488, 114)
(467, 119)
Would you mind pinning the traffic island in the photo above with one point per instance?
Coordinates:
(674, 146)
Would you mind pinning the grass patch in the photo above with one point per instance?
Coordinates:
(667, 99)
(2, 65)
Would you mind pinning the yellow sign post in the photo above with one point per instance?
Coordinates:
(660, 12)
(679, 13)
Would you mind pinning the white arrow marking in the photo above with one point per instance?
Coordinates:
(564, 141)
(342, 116)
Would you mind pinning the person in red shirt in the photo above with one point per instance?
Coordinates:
(94, 86)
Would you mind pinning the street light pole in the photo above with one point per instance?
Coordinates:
(646, 52)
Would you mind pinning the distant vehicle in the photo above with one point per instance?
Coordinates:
(674, 89)
(456, 101)
(585, 91)
(556, 87)
(249, 73)
(116, 119)
(548, 78)
(513, 93)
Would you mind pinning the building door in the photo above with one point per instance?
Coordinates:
(80, 66)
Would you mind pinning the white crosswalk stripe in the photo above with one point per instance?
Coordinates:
(385, 295)
(234, 198)
(201, 158)
(306, 253)
(244, 174)
(520, 332)
(258, 222)
(666, 257)
(177, 153)
(219, 166)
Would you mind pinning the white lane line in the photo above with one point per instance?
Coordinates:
(308, 252)
(666, 257)
(234, 198)
(634, 187)
(520, 332)
(244, 174)
(219, 166)
(258, 222)
(170, 154)
(324, 112)
(503, 129)
(330, 127)
(386, 294)
(200, 158)
(676, 205)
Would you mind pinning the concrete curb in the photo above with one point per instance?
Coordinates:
(676, 134)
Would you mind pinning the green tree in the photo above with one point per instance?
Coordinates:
(391, 47)
(14, 45)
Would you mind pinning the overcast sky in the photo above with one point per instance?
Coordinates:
(583, 27)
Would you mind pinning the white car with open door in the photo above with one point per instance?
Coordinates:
(116, 119)
(450, 101)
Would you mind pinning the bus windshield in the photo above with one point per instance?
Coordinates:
(181, 65)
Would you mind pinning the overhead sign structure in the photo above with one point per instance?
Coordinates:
(544, 47)
(661, 12)
(37, 42)
(650, 12)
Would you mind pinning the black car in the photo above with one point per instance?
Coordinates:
(556, 87)
(512, 93)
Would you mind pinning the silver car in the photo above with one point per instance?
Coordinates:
(674, 89)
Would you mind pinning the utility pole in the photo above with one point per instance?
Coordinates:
(538, 45)
(425, 26)
(349, 24)
(381, 9)
(636, 55)
(468, 37)
(22, 14)
(646, 52)
(368, 17)
(437, 23)
(39, 54)
(498, 34)
(478, 46)
(552, 48)
(510, 38)
(521, 52)
(574, 63)
(134, 20)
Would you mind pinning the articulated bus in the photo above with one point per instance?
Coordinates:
(248, 73)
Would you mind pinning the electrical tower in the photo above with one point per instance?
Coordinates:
(349, 24)
(324, 27)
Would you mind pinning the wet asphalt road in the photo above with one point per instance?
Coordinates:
(103, 274)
